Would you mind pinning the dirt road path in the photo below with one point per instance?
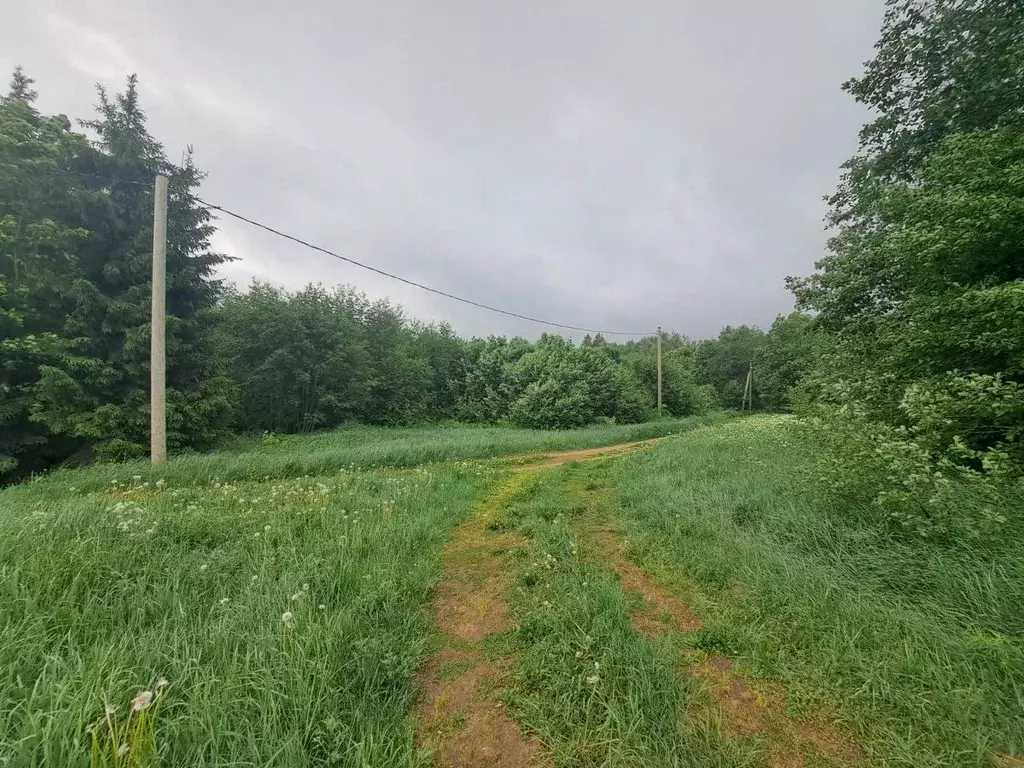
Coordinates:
(461, 720)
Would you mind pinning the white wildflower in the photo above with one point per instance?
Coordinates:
(203, 567)
(287, 617)
(123, 750)
(579, 654)
(137, 478)
(162, 683)
(224, 600)
(593, 680)
(305, 587)
(322, 607)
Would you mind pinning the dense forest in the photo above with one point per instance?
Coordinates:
(75, 249)
(904, 359)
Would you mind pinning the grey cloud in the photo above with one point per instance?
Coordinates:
(609, 164)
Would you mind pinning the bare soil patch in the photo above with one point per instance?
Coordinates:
(662, 612)
(550, 460)
(748, 710)
(759, 709)
(460, 719)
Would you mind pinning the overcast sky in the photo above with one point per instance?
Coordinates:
(615, 164)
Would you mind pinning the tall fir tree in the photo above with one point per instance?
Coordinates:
(39, 235)
(102, 395)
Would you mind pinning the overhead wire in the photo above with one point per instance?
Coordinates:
(361, 265)
(413, 283)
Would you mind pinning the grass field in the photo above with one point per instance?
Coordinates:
(689, 604)
(325, 453)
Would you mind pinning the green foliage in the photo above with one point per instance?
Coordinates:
(923, 288)
(915, 485)
(487, 392)
(723, 362)
(562, 386)
(75, 242)
(300, 360)
(913, 644)
(790, 350)
(75, 261)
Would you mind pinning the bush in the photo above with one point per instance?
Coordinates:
(922, 477)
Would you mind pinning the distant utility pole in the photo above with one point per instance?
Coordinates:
(158, 325)
(748, 390)
(659, 369)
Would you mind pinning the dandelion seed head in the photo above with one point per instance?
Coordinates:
(142, 701)
(593, 680)
(162, 683)
(579, 654)
(123, 750)
(287, 617)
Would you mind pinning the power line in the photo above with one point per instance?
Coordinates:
(413, 283)
(300, 241)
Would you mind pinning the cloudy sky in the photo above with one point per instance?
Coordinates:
(615, 164)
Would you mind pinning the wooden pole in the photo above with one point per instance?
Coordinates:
(158, 325)
(659, 370)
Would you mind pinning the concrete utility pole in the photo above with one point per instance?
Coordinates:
(659, 369)
(158, 325)
(748, 390)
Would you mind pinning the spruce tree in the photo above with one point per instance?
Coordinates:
(104, 397)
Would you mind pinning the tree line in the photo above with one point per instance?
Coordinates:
(75, 251)
(917, 395)
(904, 359)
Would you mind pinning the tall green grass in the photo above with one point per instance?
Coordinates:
(366, 447)
(288, 616)
(920, 647)
(596, 691)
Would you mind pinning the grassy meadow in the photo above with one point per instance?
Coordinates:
(280, 588)
(275, 598)
(917, 648)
